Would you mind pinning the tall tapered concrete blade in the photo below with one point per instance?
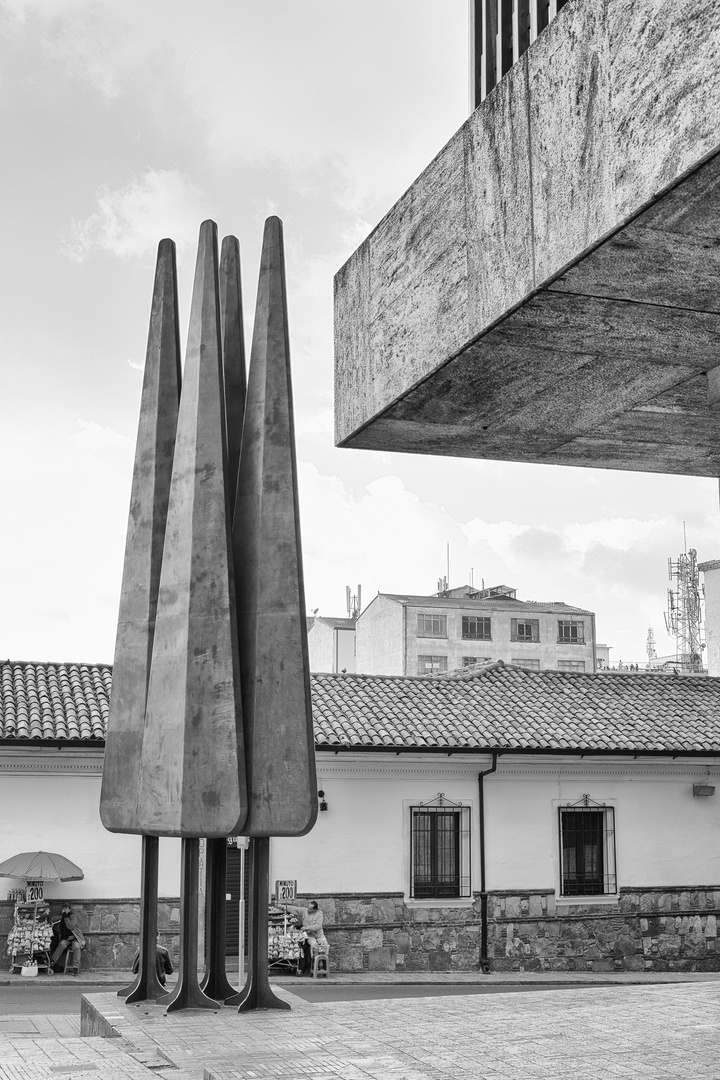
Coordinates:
(233, 339)
(268, 565)
(193, 769)
(143, 552)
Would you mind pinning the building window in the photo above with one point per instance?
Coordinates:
(587, 850)
(432, 626)
(431, 665)
(440, 851)
(476, 628)
(571, 632)
(571, 665)
(471, 661)
(524, 629)
(522, 661)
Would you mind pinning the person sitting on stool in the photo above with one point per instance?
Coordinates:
(68, 934)
(312, 923)
(163, 963)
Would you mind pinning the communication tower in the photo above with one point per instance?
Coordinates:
(650, 646)
(684, 614)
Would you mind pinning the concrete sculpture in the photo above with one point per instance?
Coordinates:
(138, 598)
(213, 735)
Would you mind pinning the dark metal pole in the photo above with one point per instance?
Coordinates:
(147, 985)
(256, 994)
(484, 962)
(476, 51)
(187, 993)
(215, 982)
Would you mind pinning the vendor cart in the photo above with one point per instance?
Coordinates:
(284, 942)
(30, 936)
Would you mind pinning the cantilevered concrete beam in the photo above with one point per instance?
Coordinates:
(549, 288)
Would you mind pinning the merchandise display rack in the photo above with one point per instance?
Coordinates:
(284, 941)
(30, 936)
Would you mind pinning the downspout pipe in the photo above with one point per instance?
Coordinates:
(484, 962)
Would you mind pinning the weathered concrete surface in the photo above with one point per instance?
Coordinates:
(547, 289)
(193, 780)
(143, 552)
(272, 638)
(233, 350)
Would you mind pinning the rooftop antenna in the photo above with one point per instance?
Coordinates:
(448, 563)
(683, 618)
(354, 603)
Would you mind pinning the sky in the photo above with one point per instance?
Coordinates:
(127, 122)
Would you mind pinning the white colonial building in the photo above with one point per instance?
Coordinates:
(502, 818)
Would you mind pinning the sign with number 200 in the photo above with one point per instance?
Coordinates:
(285, 891)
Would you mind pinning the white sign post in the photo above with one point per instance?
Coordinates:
(242, 843)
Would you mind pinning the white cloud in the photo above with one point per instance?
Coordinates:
(129, 220)
(93, 437)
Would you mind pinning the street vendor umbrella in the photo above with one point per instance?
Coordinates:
(41, 866)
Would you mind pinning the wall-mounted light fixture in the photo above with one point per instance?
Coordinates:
(324, 805)
(703, 789)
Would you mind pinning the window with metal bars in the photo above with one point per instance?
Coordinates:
(587, 849)
(440, 851)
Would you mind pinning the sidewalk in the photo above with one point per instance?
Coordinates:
(118, 979)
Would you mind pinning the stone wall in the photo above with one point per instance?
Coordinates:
(111, 929)
(379, 932)
(651, 929)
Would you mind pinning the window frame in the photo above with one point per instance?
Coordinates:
(604, 882)
(575, 665)
(573, 624)
(528, 663)
(442, 663)
(533, 639)
(465, 627)
(434, 616)
(474, 661)
(433, 890)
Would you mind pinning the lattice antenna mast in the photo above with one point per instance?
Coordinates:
(650, 645)
(684, 615)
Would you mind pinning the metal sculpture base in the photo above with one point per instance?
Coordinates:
(256, 994)
(187, 993)
(147, 985)
(215, 982)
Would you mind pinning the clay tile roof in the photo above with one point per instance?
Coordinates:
(495, 707)
(501, 707)
(54, 702)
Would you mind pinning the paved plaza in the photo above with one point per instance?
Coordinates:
(670, 1029)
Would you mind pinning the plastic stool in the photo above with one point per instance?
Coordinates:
(320, 965)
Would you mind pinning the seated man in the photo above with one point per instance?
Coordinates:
(68, 934)
(163, 963)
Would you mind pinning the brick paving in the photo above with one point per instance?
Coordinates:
(597, 1033)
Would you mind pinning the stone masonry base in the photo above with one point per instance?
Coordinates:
(656, 928)
(649, 929)
(111, 929)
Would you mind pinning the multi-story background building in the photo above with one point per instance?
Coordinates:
(401, 634)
